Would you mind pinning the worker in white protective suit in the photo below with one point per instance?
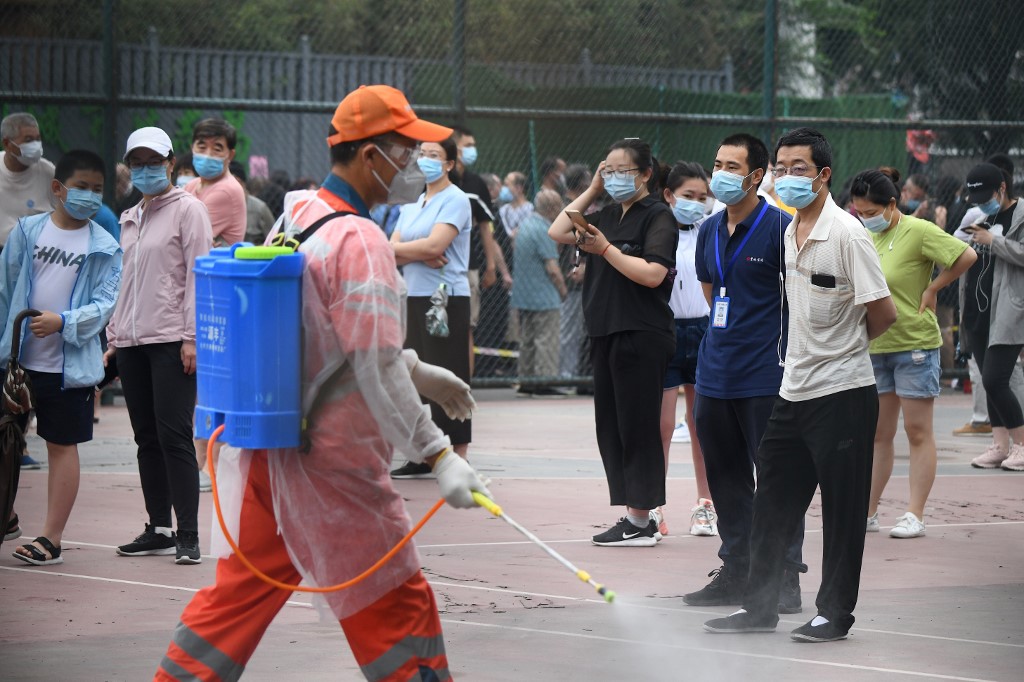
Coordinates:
(326, 515)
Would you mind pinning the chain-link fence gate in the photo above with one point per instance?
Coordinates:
(928, 86)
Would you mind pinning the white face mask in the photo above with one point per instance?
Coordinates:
(31, 152)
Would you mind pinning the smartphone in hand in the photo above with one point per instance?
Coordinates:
(577, 219)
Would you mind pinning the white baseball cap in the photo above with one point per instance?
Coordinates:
(149, 138)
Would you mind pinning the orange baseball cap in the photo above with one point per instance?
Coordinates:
(373, 110)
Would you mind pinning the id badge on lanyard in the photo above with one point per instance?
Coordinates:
(720, 310)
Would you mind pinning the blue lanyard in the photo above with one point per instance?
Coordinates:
(736, 254)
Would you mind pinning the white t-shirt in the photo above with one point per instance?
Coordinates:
(828, 336)
(23, 194)
(687, 300)
(59, 255)
(513, 216)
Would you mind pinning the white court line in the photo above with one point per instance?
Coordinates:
(583, 540)
(728, 652)
(119, 581)
(481, 588)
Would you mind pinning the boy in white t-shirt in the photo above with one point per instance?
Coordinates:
(69, 268)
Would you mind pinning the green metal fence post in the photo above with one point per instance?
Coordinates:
(771, 29)
(109, 143)
(459, 61)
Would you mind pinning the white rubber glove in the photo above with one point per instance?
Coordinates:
(440, 385)
(458, 480)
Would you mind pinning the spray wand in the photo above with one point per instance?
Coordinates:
(489, 504)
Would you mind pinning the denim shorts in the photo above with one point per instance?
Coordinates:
(910, 373)
(682, 368)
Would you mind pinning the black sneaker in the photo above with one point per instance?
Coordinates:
(739, 622)
(150, 543)
(823, 632)
(625, 534)
(413, 470)
(524, 392)
(725, 589)
(188, 548)
(549, 392)
(789, 593)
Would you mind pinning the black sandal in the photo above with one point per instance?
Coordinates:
(13, 529)
(38, 558)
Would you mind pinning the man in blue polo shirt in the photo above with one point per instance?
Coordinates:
(739, 262)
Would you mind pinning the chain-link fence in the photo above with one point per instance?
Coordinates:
(928, 86)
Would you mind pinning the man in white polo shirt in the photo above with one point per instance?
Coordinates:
(823, 423)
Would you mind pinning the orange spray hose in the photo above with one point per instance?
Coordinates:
(298, 588)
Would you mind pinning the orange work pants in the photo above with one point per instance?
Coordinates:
(397, 638)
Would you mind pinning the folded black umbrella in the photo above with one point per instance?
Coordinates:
(17, 400)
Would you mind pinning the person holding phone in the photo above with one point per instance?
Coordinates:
(629, 248)
(905, 359)
(992, 323)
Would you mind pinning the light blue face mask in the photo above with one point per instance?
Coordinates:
(728, 187)
(433, 169)
(469, 155)
(990, 207)
(81, 203)
(620, 189)
(687, 212)
(913, 204)
(505, 195)
(208, 167)
(183, 180)
(876, 223)
(150, 180)
(795, 190)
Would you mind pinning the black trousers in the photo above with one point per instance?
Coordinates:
(826, 442)
(161, 400)
(629, 368)
(729, 432)
(996, 364)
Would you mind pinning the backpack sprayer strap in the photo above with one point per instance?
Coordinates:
(318, 399)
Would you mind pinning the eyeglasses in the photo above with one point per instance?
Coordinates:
(799, 169)
(152, 165)
(618, 174)
(431, 155)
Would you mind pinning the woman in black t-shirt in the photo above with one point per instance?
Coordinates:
(629, 248)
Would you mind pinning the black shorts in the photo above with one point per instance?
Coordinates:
(63, 417)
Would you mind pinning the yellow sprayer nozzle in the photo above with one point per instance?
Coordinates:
(487, 503)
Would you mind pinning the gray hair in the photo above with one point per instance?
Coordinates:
(548, 203)
(12, 124)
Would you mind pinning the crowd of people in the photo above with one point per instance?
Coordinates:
(798, 328)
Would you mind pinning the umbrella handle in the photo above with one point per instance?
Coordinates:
(16, 343)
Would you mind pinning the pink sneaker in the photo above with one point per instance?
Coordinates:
(1015, 462)
(990, 459)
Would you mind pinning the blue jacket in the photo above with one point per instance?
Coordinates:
(92, 299)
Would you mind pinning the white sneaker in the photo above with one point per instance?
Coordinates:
(704, 521)
(872, 526)
(1015, 460)
(205, 485)
(661, 528)
(681, 433)
(909, 526)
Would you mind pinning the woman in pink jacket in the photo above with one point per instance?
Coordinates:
(152, 333)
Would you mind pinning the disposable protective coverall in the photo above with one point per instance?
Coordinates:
(334, 506)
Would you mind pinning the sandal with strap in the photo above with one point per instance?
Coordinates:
(13, 529)
(37, 558)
